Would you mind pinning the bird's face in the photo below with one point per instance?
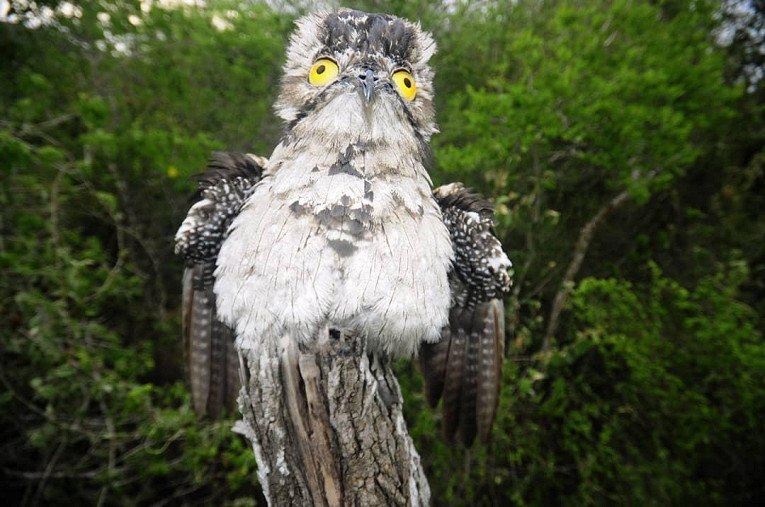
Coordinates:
(351, 73)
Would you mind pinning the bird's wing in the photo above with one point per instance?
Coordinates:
(465, 366)
(211, 359)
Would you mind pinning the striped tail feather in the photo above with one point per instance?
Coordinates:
(464, 368)
(491, 354)
(453, 377)
(197, 314)
(433, 358)
(468, 402)
(211, 359)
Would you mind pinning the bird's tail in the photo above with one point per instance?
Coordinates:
(211, 360)
(465, 368)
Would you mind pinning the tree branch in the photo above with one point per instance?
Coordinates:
(567, 284)
(326, 425)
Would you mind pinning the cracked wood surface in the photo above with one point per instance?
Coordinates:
(325, 421)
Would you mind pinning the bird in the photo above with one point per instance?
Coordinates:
(341, 228)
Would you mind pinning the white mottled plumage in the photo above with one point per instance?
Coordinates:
(361, 247)
(277, 272)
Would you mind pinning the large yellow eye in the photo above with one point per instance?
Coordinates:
(323, 72)
(405, 84)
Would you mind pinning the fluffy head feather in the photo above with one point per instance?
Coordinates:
(356, 41)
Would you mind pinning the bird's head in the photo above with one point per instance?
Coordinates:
(353, 73)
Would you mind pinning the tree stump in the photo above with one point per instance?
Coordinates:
(326, 423)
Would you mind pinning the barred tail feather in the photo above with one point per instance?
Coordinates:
(433, 357)
(465, 368)
(453, 377)
(468, 401)
(196, 338)
(491, 357)
(209, 345)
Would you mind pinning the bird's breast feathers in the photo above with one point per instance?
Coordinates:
(345, 241)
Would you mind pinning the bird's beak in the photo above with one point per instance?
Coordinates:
(367, 84)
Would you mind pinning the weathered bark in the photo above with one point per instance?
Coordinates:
(326, 424)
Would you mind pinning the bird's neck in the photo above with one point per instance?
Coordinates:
(319, 171)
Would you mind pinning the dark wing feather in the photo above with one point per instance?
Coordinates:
(490, 357)
(465, 366)
(433, 363)
(211, 359)
(197, 312)
(453, 375)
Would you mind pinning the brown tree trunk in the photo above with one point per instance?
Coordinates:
(326, 424)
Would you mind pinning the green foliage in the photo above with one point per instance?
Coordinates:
(82, 419)
(92, 141)
(651, 392)
(607, 86)
(673, 365)
(576, 103)
(652, 403)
